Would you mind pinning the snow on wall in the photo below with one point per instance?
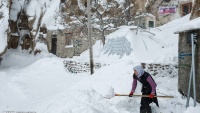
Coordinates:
(120, 1)
(51, 17)
(32, 8)
(15, 9)
(49, 9)
(3, 26)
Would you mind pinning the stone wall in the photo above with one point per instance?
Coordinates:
(185, 66)
(80, 67)
(170, 70)
(195, 10)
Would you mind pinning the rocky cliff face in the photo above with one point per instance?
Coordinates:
(4, 10)
(195, 10)
(28, 16)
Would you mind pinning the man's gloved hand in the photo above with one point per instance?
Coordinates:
(131, 93)
(151, 95)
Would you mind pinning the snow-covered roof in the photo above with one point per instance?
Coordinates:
(145, 15)
(130, 27)
(189, 26)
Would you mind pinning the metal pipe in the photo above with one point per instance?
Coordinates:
(190, 81)
(193, 68)
(189, 86)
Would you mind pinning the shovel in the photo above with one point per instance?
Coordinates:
(144, 95)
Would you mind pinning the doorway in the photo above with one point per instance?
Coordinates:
(54, 44)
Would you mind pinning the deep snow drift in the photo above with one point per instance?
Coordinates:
(41, 84)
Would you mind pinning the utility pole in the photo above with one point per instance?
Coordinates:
(90, 38)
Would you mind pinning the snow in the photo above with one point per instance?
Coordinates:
(145, 15)
(15, 9)
(147, 3)
(48, 9)
(42, 47)
(3, 26)
(146, 47)
(192, 109)
(51, 16)
(31, 8)
(189, 26)
(120, 1)
(69, 46)
(41, 83)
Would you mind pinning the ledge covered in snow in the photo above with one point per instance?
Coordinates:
(189, 26)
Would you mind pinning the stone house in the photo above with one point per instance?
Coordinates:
(68, 43)
(181, 7)
(193, 26)
(145, 20)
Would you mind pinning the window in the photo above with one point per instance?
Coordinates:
(186, 8)
(166, 0)
(151, 23)
(62, 1)
(85, 4)
(54, 36)
(43, 29)
(68, 39)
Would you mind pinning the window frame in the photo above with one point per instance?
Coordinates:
(153, 23)
(189, 5)
(68, 39)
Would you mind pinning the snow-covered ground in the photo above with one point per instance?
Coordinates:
(41, 84)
